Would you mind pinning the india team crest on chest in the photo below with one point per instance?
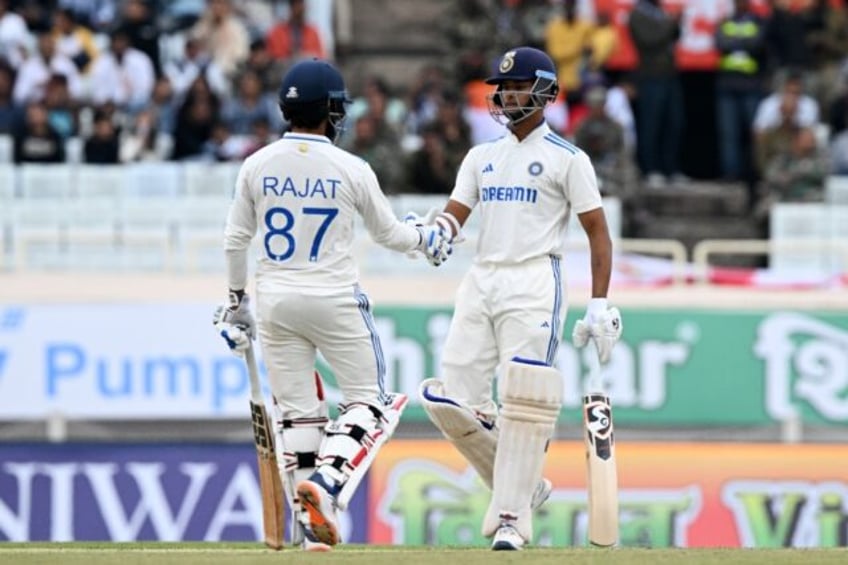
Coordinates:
(535, 168)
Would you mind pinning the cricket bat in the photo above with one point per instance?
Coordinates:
(601, 473)
(270, 483)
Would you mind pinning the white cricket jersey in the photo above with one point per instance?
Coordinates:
(302, 194)
(525, 191)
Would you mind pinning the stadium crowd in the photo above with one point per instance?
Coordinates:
(118, 81)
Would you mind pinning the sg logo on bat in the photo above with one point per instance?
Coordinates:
(597, 414)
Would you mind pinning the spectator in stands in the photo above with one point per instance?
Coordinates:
(741, 42)
(838, 110)
(602, 138)
(249, 104)
(377, 100)
(37, 15)
(194, 62)
(424, 97)
(454, 130)
(142, 141)
(37, 69)
(377, 144)
(269, 70)
(164, 105)
(139, 22)
(223, 146)
(829, 46)
(222, 35)
(61, 111)
(103, 145)
(798, 175)
(262, 136)
(427, 169)
(9, 112)
(97, 15)
(839, 154)
(196, 118)
(568, 40)
(790, 94)
(295, 38)
(122, 75)
(777, 140)
(14, 36)
(603, 42)
(787, 34)
(36, 141)
(660, 96)
(73, 40)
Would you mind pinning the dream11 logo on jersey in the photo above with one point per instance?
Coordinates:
(806, 360)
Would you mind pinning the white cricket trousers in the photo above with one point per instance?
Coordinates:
(501, 312)
(294, 325)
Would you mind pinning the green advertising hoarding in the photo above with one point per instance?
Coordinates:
(672, 367)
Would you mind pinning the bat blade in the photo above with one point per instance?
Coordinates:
(270, 482)
(601, 472)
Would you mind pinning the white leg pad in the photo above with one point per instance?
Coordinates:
(530, 397)
(474, 437)
(352, 441)
(298, 441)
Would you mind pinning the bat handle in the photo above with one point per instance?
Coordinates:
(594, 384)
(253, 373)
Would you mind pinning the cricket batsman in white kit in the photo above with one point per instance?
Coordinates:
(302, 194)
(511, 305)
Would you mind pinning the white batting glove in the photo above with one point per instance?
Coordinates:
(235, 323)
(602, 324)
(435, 244)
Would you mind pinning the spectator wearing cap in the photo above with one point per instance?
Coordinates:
(123, 75)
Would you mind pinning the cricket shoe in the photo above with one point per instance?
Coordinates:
(541, 494)
(507, 537)
(311, 543)
(321, 508)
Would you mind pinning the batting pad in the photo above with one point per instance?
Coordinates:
(474, 438)
(531, 397)
(298, 441)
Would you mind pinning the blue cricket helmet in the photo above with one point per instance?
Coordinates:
(523, 64)
(312, 91)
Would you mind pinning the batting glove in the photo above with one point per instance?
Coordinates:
(435, 244)
(602, 324)
(235, 323)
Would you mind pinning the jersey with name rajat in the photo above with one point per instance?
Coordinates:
(303, 194)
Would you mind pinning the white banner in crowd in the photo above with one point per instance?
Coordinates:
(117, 361)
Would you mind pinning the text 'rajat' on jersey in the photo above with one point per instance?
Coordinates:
(301, 188)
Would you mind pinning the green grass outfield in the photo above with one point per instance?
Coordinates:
(244, 553)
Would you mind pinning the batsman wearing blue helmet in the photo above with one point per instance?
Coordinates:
(510, 306)
(302, 194)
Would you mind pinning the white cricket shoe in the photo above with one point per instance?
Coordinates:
(541, 494)
(321, 508)
(507, 537)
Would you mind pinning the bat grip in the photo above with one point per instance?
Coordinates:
(594, 384)
(253, 373)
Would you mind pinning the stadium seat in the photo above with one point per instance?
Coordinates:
(101, 181)
(7, 149)
(210, 179)
(74, 150)
(612, 211)
(143, 180)
(836, 189)
(54, 182)
(200, 223)
(800, 222)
